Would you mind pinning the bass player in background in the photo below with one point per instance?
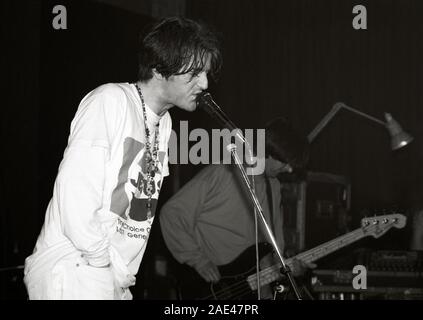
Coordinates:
(209, 223)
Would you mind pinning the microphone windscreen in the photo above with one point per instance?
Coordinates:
(204, 99)
(205, 102)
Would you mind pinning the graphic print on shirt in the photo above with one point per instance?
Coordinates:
(129, 198)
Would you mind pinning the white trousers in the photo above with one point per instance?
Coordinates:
(72, 279)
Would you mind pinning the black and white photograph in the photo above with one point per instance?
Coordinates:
(240, 151)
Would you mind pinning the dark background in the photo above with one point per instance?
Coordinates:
(281, 58)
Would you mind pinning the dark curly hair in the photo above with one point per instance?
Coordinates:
(175, 46)
(285, 144)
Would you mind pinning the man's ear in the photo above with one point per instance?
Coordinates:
(157, 75)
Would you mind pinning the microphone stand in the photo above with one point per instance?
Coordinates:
(285, 270)
(205, 100)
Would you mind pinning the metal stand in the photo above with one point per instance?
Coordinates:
(285, 270)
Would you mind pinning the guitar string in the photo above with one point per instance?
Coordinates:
(308, 256)
(304, 257)
(238, 288)
(243, 287)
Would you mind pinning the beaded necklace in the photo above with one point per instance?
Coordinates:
(151, 157)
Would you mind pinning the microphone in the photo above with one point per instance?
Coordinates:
(205, 102)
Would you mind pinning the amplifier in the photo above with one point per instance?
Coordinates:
(396, 261)
(316, 209)
(389, 275)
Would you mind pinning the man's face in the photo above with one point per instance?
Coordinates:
(182, 90)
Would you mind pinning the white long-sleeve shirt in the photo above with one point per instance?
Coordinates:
(97, 215)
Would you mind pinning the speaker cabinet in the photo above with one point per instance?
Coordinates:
(316, 209)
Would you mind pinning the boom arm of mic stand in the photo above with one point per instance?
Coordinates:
(285, 269)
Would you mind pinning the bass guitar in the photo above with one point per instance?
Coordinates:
(239, 279)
